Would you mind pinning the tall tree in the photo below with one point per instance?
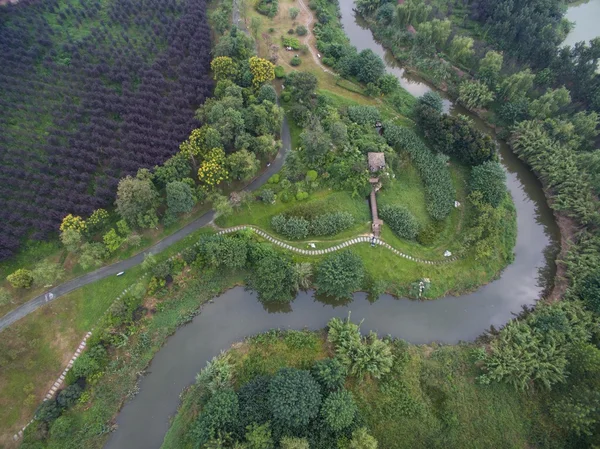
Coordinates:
(137, 201)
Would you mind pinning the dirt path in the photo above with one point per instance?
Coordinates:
(306, 39)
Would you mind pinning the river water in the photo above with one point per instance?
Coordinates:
(144, 421)
(586, 17)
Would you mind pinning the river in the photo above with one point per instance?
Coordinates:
(586, 16)
(144, 421)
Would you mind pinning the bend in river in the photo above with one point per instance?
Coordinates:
(144, 421)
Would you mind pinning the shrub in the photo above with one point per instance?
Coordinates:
(290, 227)
(279, 72)
(294, 12)
(267, 7)
(301, 196)
(490, 179)
(48, 411)
(295, 398)
(217, 375)
(331, 223)
(292, 42)
(364, 115)
(69, 396)
(362, 440)
(273, 279)
(428, 234)
(259, 436)
(301, 30)
(267, 196)
(89, 363)
(311, 175)
(294, 443)
(5, 297)
(254, 401)
(296, 61)
(219, 415)
(21, 278)
(400, 220)
(339, 410)
(340, 274)
(286, 97)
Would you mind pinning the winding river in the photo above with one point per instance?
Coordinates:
(144, 421)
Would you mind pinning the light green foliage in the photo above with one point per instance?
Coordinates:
(485, 230)
(362, 356)
(220, 204)
(295, 399)
(224, 251)
(294, 12)
(255, 24)
(490, 66)
(180, 198)
(340, 274)
(97, 221)
(71, 239)
(47, 273)
(400, 220)
(339, 410)
(586, 128)
(112, 240)
(92, 255)
(137, 201)
(475, 94)
(388, 83)
(294, 443)
(5, 297)
(267, 196)
(290, 227)
(371, 67)
(517, 85)
(436, 32)
(243, 165)
(362, 440)
(259, 436)
(461, 48)
(412, 12)
(217, 375)
(364, 115)
(330, 373)
(21, 278)
(489, 178)
(302, 274)
(550, 103)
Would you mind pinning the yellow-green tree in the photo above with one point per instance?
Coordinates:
(223, 68)
(213, 169)
(73, 222)
(262, 71)
(199, 143)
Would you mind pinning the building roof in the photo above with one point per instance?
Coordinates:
(376, 161)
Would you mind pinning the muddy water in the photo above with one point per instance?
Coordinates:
(236, 314)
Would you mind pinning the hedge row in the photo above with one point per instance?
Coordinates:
(400, 220)
(439, 190)
(299, 227)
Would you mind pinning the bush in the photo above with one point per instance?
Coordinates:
(400, 220)
(364, 115)
(330, 373)
(259, 437)
(295, 399)
(273, 279)
(267, 196)
(292, 42)
(286, 97)
(294, 443)
(21, 278)
(69, 396)
(89, 363)
(290, 227)
(301, 30)
(362, 440)
(216, 375)
(340, 274)
(331, 223)
(48, 411)
(5, 297)
(296, 61)
(254, 401)
(220, 415)
(489, 178)
(279, 72)
(428, 235)
(339, 410)
(267, 7)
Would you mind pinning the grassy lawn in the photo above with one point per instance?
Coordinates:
(35, 350)
(430, 400)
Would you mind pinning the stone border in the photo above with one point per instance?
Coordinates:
(340, 246)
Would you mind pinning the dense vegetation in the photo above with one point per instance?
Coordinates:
(91, 91)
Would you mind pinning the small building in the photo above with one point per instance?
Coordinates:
(376, 161)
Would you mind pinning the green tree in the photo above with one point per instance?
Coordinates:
(550, 103)
(330, 373)
(112, 240)
(92, 255)
(302, 274)
(301, 84)
(262, 71)
(339, 410)
(47, 273)
(137, 201)
(243, 165)
(489, 68)
(259, 436)
(273, 279)
(388, 83)
(475, 94)
(294, 443)
(71, 239)
(294, 12)
(362, 440)
(180, 198)
(489, 178)
(21, 278)
(220, 415)
(461, 48)
(517, 85)
(371, 67)
(340, 274)
(224, 68)
(295, 399)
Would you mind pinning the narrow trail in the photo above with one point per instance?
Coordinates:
(338, 247)
(306, 39)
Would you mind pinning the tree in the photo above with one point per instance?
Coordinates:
(330, 374)
(517, 85)
(92, 255)
(489, 67)
(73, 222)
(254, 401)
(388, 83)
(294, 12)
(294, 443)
(475, 94)
(267, 93)
(315, 142)
(259, 436)
(301, 30)
(302, 274)
(213, 171)
(229, 252)
(47, 273)
(340, 274)
(219, 416)
(200, 142)
(435, 32)
(461, 48)
(112, 240)
(371, 67)
(489, 178)
(180, 198)
(362, 440)
(220, 204)
(295, 399)
(137, 201)
(262, 71)
(302, 85)
(97, 221)
(588, 289)
(550, 103)
(71, 239)
(339, 410)
(21, 278)
(224, 68)
(273, 279)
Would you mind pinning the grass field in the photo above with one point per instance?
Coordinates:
(430, 400)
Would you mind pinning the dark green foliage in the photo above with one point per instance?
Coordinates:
(364, 115)
(589, 291)
(428, 235)
(330, 373)
(489, 178)
(268, 7)
(273, 279)
(224, 251)
(175, 168)
(400, 220)
(296, 61)
(48, 411)
(295, 399)
(439, 190)
(254, 401)
(267, 93)
(432, 100)
(302, 85)
(220, 415)
(301, 30)
(69, 396)
(291, 227)
(180, 199)
(339, 410)
(89, 363)
(279, 72)
(340, 274)
(370, 67)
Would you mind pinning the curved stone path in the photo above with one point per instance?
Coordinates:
(331, 249)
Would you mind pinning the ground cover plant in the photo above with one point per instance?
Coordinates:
(92, 92)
